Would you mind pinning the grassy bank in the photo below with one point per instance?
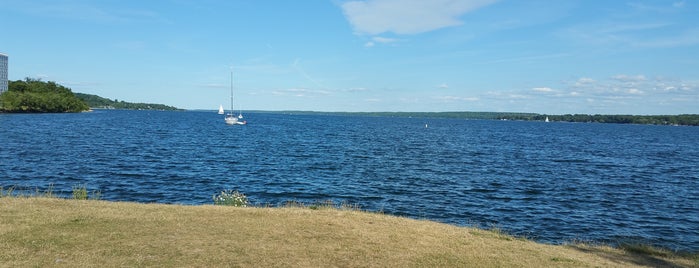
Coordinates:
(79, 233)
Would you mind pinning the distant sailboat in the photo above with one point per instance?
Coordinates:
(231, 119)
(547, 119)
(220, 109)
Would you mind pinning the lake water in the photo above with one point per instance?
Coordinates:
(552, 182)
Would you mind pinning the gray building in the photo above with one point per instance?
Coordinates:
(3, 73)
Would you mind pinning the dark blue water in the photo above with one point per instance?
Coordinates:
(552, 182)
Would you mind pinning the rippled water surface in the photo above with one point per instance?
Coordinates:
(552, 182)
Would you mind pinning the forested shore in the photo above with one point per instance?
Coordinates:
(675, 120)
(36, 96)
(98, 102)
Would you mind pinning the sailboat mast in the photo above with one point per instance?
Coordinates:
(231, 92)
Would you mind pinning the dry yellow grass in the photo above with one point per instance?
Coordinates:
(77, 233)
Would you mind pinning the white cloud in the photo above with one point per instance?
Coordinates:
(456, 98)
(443, 86)
(300, 92)
(384, 40)
(374, 17)
(629, 78)
(623, 93)
(380, 40)
(214, 85)
(543, 89)
(637, 87)
(634, 91)
(584, 81)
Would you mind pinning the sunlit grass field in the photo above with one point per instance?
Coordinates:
(45, 231)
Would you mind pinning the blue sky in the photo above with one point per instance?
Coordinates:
(553, 57)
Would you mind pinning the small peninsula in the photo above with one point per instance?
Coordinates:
(36, 96)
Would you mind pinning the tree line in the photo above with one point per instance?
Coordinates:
(682, 119)
(95, 101)
(36, 96)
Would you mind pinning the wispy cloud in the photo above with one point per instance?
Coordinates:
(686, 38)
(297, 66)
(543, 89)
(355, 89)
(640, 25)
(300, 92)
(384, 40)
(381, 40)
(373, 17)
(530, 58)
(633, 87)
(629, 78)
(456, 99)
(664, 7)
(213, 85)
(622, 93)
(89, 11)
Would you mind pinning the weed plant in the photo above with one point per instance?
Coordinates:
(231, 198)
(80, 192)
(14, 191)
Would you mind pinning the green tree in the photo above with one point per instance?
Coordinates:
(36, 96)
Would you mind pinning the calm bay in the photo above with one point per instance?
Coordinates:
(552, 182)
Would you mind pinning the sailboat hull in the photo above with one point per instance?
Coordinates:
(232, 120)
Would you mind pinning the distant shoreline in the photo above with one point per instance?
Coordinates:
(665, 120)
(672, 120)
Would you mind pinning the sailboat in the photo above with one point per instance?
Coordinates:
(220, 109)
(231, 119)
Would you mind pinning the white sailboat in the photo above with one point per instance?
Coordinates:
(231, 119)
(220, 109)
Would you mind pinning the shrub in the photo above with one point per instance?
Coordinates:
(8, 192)
(80, 192)
(231, 198)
